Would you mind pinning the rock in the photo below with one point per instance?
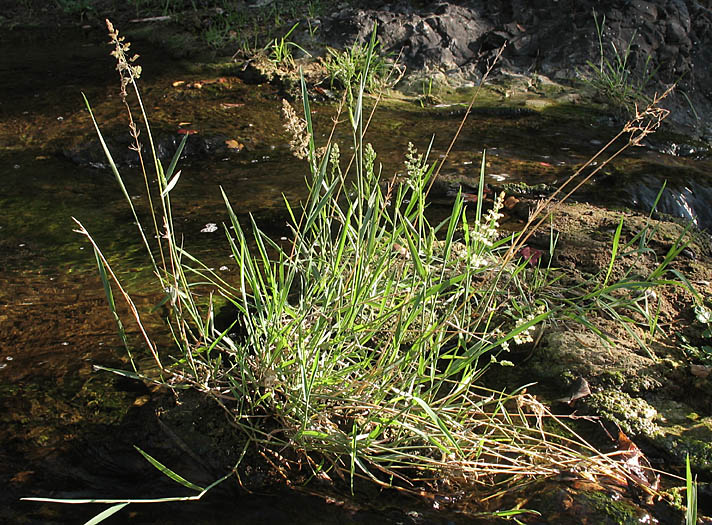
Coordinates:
(687, 193)
(675, 33)
(443, 37)
(672, 38)
(91, 154)
(646, 9)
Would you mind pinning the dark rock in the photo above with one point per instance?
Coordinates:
(91, 154)
(675, 32)
(646, 9)
(559, 39)
(445, 36)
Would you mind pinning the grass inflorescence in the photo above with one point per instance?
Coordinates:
(357, 346)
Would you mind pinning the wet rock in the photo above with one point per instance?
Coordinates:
(697, 151)
(120, 145)
(686, 195)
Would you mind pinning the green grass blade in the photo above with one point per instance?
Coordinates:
(171, 184)
(118, 371)
(176, 157)
(105, 514)
(168, 472)
(614, 251)
(414, 255)
(112, 306)
(691, 486)
(439, 422)
(481, 187)
(308, 118)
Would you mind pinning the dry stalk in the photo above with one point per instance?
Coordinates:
(129, 72)
(641, 125)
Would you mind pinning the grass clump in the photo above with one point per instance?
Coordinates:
(360, 64)
(612, 78)
(280, 49)
(357, 345)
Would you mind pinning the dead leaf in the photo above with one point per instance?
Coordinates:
(141, 400)
(22, 477)
(400, 250)
(234, 145)
(230, 105)
(532, 255)
(510, 202)
(642, 482)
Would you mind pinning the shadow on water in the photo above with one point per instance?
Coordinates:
(69, 431)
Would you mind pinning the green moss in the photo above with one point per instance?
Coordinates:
(106, 404)
(522, 188)
(610, 510)
(634, 415)
(699, 450)
(613, 378)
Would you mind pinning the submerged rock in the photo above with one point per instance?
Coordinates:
(686, 194)
(91, 154)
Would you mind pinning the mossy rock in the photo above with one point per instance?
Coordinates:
(584, 502)
(635, 416)
(569, 354)
(689, 436)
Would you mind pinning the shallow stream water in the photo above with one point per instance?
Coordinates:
(68, 430)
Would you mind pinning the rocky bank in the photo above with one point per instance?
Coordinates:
(672, 39)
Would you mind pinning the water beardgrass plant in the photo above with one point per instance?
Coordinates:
(357, 345)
